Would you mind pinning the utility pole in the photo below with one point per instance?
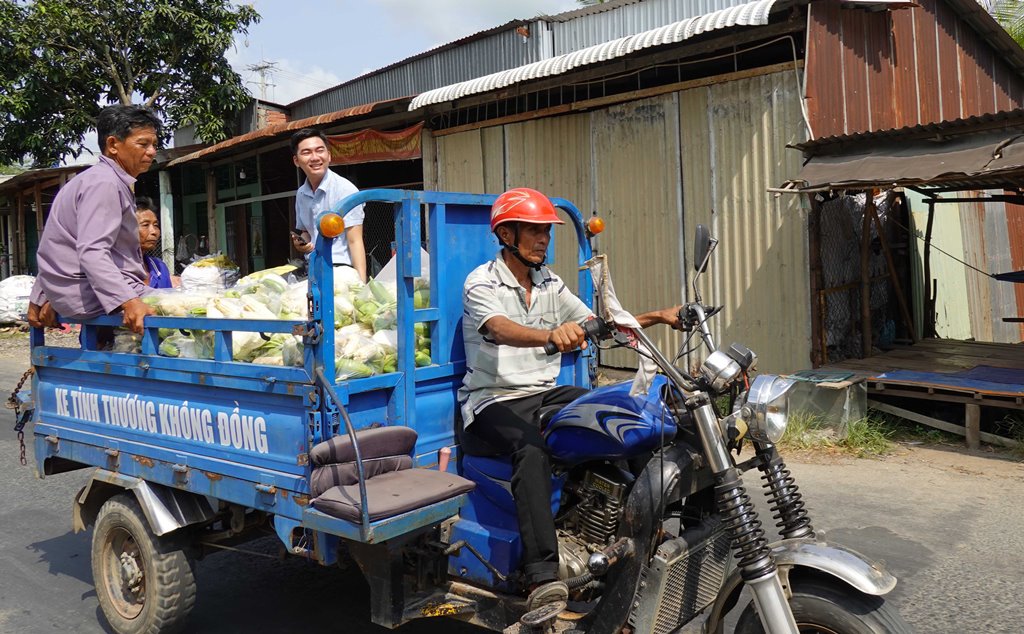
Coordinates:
(265, 69)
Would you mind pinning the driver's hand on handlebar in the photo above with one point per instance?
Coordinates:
(673, 317)
(568, 337)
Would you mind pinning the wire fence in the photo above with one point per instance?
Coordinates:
(839, 300)
(378, 235)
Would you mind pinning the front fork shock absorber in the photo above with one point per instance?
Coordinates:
(787, 504)
(757, 566)
(740, 519)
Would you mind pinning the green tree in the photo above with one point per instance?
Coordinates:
(1010, 14)
(62, 59)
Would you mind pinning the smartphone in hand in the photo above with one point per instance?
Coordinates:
(298, 238)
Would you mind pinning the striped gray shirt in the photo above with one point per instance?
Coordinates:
(497, 373)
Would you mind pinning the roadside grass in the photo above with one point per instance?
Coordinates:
(867, 437)
(880, 433)
(908, 432)
(1012, 426)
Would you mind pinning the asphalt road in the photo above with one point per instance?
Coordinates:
(946, 523)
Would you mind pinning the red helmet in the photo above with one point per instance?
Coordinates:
(523, 205)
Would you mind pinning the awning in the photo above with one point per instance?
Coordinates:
(989, 160)
(284, 128)
(748, 14)
(28, 179)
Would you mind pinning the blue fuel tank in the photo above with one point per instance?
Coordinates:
(609, 424)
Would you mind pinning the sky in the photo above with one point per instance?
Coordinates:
(316, 45)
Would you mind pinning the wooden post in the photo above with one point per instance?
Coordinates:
(212, 237)
(19, 239)
(865, 277)
(897, 287)
(972, 424)
(929, 294)
(819, 352)
(166, 204)
(38, 193)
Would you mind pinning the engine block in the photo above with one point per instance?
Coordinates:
(601, 508)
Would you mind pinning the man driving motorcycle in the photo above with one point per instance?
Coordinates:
(513, 306)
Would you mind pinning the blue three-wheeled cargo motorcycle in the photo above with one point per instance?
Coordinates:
(654, 525)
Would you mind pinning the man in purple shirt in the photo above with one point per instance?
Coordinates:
(89, 258)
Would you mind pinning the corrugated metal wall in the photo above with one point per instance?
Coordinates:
(638, 191)
(654, 169)
(1015, 229)
(734, 147)
(969, 304)
(871, 71)
(952, 320)
(553, 155)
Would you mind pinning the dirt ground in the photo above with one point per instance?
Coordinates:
(14, 341)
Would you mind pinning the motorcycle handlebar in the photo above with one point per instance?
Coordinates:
(688, 316)
(594, 329)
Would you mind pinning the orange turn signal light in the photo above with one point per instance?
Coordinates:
(595, 226)
(332, 226)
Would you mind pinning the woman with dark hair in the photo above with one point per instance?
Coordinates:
(157, 274)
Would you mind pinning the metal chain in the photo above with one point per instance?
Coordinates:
(20, 419)
(12, 401)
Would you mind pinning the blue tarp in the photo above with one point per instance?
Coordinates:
(982, 378)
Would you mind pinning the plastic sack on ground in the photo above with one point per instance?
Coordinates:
(14, 293)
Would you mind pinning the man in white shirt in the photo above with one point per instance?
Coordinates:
(513, 306)
(322, 191)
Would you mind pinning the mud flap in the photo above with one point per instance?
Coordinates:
(166, 509)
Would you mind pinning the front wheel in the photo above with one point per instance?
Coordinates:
(830, 607)
(145, 583)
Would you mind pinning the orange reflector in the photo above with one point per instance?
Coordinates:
(332, 226)
(595, 225)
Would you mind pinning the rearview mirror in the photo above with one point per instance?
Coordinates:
(701, 248)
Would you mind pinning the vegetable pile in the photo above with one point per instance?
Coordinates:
(365, 322)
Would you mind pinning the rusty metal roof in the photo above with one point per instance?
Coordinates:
(937, 131)
(285, 128)
(30, 177)
(985, 152)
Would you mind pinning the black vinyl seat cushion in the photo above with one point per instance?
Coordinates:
(393, 487)
(393, 493)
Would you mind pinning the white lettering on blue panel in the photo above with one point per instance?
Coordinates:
(197, 423)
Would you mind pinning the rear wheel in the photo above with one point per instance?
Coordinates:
(145, 584)
(830, 607)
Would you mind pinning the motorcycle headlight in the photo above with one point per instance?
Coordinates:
(769, 407)
(719, 370)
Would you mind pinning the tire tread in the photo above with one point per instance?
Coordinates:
(174, 569)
